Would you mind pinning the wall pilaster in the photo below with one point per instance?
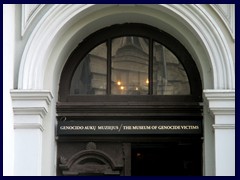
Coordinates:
(30, 108)
(221, 104)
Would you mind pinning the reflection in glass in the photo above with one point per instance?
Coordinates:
(169, 76)
(130, 70)
(130, 61)
(90, 77)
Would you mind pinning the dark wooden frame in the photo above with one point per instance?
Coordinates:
(131, 29)
(137, 107)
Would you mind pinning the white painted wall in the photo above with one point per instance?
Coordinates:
(28, 154)
(225, 151)
(8, 71)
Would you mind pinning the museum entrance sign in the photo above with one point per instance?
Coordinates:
(130, 127)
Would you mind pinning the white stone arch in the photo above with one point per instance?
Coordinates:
(63, 27)
(191, 24)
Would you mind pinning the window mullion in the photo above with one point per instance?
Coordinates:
(109, 54)
(150, 73)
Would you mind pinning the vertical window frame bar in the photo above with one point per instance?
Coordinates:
(150, 68)
(109, 66)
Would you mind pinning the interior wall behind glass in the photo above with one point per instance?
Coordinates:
(90, 77)
(130, 64)
(169, 76)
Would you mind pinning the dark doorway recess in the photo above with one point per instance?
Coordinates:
(167, 159)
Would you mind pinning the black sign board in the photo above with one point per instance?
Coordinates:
(132, 127)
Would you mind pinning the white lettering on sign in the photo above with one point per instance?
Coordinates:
(107, 127)
(78, 128)
(128, 127)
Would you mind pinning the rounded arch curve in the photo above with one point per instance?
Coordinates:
(63, 25)
(129, 29)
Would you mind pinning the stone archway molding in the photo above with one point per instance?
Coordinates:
(60, 18)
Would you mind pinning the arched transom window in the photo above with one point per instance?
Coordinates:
(132, 70)
(130, 59)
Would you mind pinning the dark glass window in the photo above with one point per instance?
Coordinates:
(129, 70)
(169, 76)
(129, 60)
(90, 77)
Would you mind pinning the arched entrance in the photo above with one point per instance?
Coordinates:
(64, 26)
(138, 85)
